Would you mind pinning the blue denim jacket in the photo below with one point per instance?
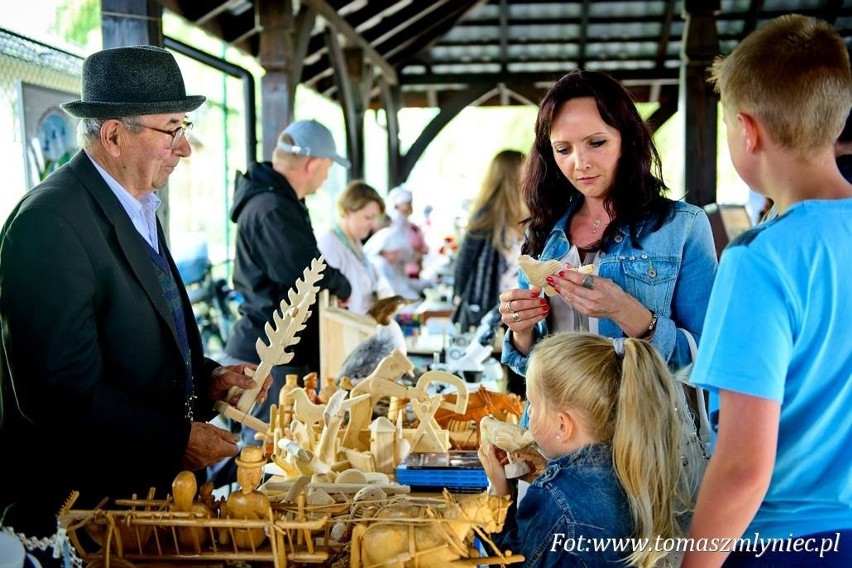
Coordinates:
(671, 274)
(578, 495)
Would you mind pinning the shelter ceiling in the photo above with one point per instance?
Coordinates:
(509, 49)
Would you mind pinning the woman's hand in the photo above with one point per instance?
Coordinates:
(598, 297)
(521, 309)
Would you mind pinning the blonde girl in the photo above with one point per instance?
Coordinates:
(603, 412)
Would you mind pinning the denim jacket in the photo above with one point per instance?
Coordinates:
(671, 274)
(577, 498)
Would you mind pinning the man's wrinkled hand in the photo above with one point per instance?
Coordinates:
(226, 377)
(207, 445)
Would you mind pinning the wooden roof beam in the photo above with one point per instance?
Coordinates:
(504, 36)
(342, 26)
(665, 31)
(750, 21)
(584, 35)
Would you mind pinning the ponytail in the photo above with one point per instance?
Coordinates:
(628, 397)
(646, 446)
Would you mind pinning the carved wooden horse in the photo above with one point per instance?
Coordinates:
(481, 403)
(382, 383)
(426, 536)
(388, 370)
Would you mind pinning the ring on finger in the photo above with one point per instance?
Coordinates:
(509, 307)
(515, 317)
(588, 282)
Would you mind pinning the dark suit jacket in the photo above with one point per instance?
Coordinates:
(94, 380)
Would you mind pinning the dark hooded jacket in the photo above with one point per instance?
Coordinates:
(275, 243)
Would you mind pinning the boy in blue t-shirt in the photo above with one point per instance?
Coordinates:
(776, 349)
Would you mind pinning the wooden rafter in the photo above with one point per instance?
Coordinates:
(344, 28)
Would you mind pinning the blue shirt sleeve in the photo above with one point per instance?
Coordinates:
(748, 337)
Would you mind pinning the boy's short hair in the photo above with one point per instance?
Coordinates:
(794, 75)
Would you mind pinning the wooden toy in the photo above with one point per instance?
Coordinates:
(508, 437)
(427, 437)
(389, 369)
(464, 428)
(288, 320)
(183, 492)
(537, 271)
(310, 382)
(248, 503)
(432, 534)
(329, 387)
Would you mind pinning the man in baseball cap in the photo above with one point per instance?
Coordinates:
(275, 243)
(310, 138)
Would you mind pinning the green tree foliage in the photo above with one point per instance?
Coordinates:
(76, 20)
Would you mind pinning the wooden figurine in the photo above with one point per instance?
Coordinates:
(510, 438)
(288, 321)
(305, 410)
(537, 271)
(329, 387)
(310, 382)
(382, 444)
(481, 403)
(248, 503)
(184, 488)
(378, 384)
(428, 436)
(332, 419)
(427, 536)
(285, 402)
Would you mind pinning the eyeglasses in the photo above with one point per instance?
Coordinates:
(177, 134)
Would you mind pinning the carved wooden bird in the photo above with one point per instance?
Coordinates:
(304, 409)
(388, 336)
(537, 271)
(506, 436)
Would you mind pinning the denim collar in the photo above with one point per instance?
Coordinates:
(595, 455)
(574, 203)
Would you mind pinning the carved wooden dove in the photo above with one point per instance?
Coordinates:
(506, 436)
(537, 271)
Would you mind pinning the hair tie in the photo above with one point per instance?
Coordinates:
(618, 345)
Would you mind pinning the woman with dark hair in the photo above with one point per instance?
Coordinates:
(594, 188)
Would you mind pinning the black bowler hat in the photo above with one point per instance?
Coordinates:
(131, 81)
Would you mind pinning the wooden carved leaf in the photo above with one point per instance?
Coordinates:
(288, 321)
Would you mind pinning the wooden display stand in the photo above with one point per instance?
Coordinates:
(340, 332)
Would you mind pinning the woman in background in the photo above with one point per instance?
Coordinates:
(386, 250)
(399, 202)
(488, 258)
(360, 208)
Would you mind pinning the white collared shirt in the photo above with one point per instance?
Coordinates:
(142, 211)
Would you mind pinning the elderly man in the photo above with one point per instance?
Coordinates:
(105, 385)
